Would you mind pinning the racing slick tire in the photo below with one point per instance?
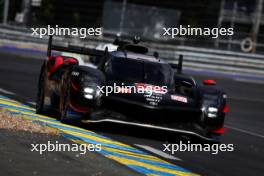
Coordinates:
(65, 106)
(64, 97)
(40, 102)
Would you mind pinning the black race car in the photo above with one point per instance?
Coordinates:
(132, 87)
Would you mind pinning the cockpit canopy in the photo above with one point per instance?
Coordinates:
(139, 71)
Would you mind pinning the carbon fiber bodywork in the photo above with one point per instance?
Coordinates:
(185, 106)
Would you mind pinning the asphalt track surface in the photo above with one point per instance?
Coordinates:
(244, 122)
(64, 163)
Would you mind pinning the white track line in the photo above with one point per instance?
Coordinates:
(158, 152)
(249, 81)
(32, 103)
(244, 131)
(247, 99)
(6, 92)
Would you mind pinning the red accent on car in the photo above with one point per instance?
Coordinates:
(79, 109)
(209, 82)
(71, 61)
(74, 86)
(58, 61)
(225, 109)
(220, 130)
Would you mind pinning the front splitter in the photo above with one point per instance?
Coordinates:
(150, 126)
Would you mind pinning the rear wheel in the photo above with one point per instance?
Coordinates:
(40, 102)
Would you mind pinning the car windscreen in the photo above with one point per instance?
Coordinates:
(132, 70)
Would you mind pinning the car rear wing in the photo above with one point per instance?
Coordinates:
(178, 66)
(73, 49)
(99, 53)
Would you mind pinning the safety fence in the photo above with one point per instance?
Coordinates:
(194, 58)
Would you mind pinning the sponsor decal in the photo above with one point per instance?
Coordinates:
(75, 73)
(179, 98)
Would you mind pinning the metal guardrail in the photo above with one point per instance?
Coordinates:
(195, 58)
(231, 63)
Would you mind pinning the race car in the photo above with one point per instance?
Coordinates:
(130, 86)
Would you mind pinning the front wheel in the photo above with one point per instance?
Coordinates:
(64, 98)
(65, 107)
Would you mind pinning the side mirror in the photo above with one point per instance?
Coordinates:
(209, 82)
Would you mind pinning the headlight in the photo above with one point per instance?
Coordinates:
(88, 90)
(88, 96)
(212, 112)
